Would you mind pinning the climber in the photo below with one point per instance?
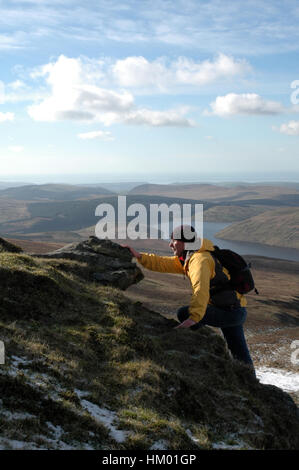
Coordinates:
(225, 310)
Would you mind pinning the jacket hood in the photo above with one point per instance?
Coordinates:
(206, 245)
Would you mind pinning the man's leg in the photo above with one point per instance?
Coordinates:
(231, 323)
(236, 342)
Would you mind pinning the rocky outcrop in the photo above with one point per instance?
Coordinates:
(109, 263)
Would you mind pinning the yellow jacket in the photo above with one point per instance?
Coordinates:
(199, 268)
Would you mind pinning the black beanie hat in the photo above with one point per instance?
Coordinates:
(185, 233)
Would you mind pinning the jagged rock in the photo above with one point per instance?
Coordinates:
(111, 263)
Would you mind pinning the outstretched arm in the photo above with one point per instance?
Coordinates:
(162, 264)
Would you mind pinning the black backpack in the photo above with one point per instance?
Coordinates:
(241, 279)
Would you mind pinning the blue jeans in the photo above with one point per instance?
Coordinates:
(231, 323)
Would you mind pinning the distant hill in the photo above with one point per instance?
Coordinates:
(276, 227)
(11, 184)
(54, 192)
(75, 215)
(56, 212)
(217, 193)
(233, 212)
(119, 187)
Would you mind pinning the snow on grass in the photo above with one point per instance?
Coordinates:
(14, 366)
(224, 446)
(11, 416)
(81, 394)
(103, 416)
(159, 445)
(12, 444)
(288, 381)
(41, 381)
(190, 435)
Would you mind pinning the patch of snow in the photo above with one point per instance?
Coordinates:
(13, 367)
(224, 446)
(288, 381)
(40, 379)
(57, 430)
(190, 435)
(81, 394)
(11, 416)
(159, 445)
(105, 417)
(58, 443)
(37, 380)
(12, 444)
(16, 361)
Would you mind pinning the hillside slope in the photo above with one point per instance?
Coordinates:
(276, 227)
(212, 192)
(86, 368)
(55, 192)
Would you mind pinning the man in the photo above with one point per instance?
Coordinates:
(209, 304)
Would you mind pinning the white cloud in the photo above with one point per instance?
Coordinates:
(205, 26)
(139, 72)
(172, 118)
(2, 92)
(75, 95)
(245, 103)
(190, 72)
(96, 135)
(6, 117)
(290, 128)
(16, 148)
(12, 41)
(19, 91)
(16, 85)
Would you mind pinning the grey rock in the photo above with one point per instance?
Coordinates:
(109, 263)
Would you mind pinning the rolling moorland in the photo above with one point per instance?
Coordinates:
(266, 214)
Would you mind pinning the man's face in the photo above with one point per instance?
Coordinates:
(177, 247)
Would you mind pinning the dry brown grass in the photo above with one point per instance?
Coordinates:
(30, 246)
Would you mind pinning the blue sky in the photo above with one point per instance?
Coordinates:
(149, 87)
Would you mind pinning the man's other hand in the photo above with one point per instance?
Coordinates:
(134, 253)
(186, 324)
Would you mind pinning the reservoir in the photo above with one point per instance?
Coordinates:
(211, 228)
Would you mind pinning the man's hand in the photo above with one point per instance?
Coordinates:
(186, 324)
(134, 253)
